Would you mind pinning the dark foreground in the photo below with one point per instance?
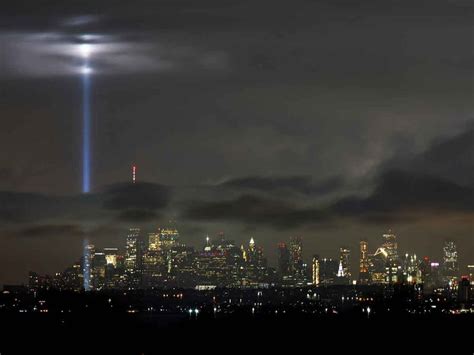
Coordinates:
(271, 321)
(139, 334)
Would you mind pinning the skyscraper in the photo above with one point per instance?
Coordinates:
(345, 258)
(470, 271)
(435, 277)
(341, 276)
(111, 255)
(328, 269)
(132, 257)
(364, 262)
(131, 249)
(99, 264)
(283, 259)
(390, 245)
(296, 251)
(296, 254)
(87, 258)
(464, 290)
(315, 268)
(450, 267)
(411, 269)
(377, 266)
(297, 266)
(154, 241)
(169, 238)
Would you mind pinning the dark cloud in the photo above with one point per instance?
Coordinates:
(137, 203)
(402, 192)
(300, 184)
(397, 196)
(251, 210)
(267, 201)
(125, 202)
(18, 207)
(139, 196)
(52, 230)
(450, 158)
(138, 216)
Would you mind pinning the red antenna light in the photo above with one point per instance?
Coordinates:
(134, 173)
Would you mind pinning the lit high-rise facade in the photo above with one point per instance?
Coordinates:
(315, 270)
(132, 250)
(297, 266)
(111, 255)
(411, 269)
(99, 265)
(296, 252)
(470, 271)
(87, 259)
(154, 242)
(450, 267)
(390, 245)
(345, 261)
(169, 238)
(363, 262)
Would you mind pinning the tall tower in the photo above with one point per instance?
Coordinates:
(390, 245)
(169, 238)
(340, 270)
(252, 246)
(87, 259)
(296, 253)
(298, 268)
(450, 261)
(134, 174)
(363, 262)
(154, 242)
(315, 268)
(470, 271)
(283, 259)
(131, 251)
(345, 258)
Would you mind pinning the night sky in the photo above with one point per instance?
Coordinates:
(330, 120)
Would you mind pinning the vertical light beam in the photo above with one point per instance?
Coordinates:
(85, 50)
(86, 128)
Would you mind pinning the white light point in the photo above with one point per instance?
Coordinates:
(86, 70)
(85, 49)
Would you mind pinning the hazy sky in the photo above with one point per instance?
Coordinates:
(332, 120)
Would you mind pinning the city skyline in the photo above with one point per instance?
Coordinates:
(160, 260)
(331, 250)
